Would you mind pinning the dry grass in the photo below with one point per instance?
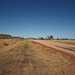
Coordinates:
(70, 42)
(6, 42)
(26, 58)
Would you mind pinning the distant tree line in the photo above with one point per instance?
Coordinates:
(47, 38)
(62, 39)
(51, 37)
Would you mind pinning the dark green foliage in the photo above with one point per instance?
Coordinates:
(50, 37)
(41, 38)
(22, 38)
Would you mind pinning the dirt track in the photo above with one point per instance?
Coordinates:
(58, 46)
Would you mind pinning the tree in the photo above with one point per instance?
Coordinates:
(50, 37)
(41, 38)
(22, 37)
(57, 38)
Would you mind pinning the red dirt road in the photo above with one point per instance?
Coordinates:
(58, 46)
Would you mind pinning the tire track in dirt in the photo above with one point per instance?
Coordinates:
(58, 46)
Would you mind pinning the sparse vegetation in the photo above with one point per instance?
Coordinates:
(70, 42)
(47, 38)
(41, 38)
(11, 49)
(50, 37)
(5, 43)
(28, 58)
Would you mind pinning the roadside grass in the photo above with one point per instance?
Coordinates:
(6, 42)
(26, 58)
(70, 42)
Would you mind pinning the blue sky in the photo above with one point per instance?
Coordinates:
(36, 18)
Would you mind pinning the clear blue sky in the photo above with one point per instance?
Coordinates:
(36, 18)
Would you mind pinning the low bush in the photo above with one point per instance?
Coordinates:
(5, 43)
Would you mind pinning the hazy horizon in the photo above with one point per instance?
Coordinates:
(38, 18)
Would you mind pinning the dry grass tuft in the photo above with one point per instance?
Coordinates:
(5, 43)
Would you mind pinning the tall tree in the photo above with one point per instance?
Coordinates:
(51, 37)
